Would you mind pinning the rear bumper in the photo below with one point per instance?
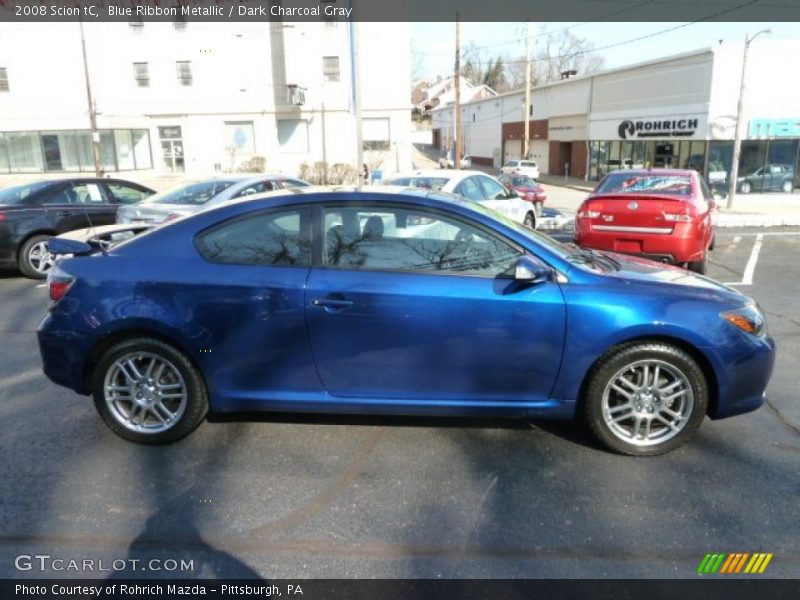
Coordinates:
(63, 355)
(675, 247)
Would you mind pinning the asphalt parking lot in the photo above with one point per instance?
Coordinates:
(293, 497)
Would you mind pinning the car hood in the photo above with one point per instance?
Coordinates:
(636, 270)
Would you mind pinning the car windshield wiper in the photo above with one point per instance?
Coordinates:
(589, 256)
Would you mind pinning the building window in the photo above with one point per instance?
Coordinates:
(239, 138)
(330, 68)
(141, 73)
(3, 79)
(184, 72)
(293, 135)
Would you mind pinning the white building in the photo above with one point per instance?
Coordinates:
(678, 111)
(196, 98)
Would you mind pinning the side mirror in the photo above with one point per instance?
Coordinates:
(513, 194)
(530, 270)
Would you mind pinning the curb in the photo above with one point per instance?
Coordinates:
(756, 220)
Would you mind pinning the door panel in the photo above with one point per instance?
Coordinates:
(434, 337)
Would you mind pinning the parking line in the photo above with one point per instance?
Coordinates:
(749, 270)
(41, 285)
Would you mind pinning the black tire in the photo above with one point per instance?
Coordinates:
(537, 209)
(530, 220)
(745, 188)
(196, 407)
(25, 262)
(699, 266)
(615, 362)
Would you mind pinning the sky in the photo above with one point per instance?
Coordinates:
(436, 41)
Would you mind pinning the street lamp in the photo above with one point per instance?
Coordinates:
(737, 140)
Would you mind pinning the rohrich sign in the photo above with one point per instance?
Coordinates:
(779, 128)
(652, 128)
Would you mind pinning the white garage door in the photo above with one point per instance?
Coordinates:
(513, 150)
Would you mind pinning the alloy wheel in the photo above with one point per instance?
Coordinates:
(39, 258)
(647, 402)
(144, 392)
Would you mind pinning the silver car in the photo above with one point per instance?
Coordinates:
(191, 197)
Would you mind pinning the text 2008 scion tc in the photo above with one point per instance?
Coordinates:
(396, 302)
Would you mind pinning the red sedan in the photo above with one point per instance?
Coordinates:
(662, 214)
(527, 188)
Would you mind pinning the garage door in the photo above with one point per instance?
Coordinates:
(513, 150)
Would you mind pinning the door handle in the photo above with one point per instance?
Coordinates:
(332, 303)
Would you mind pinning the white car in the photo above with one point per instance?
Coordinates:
(472, 185)
(523, 167)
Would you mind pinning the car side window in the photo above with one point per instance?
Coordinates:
(126, 194)
(77, 193)
(256, 188)
(471, 190)
(492, 189)
(411, 240)
(279, 237)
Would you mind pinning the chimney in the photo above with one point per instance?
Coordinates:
(568, 74)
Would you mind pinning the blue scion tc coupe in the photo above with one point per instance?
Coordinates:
(394, 301)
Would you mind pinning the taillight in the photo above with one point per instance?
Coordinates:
(58, 283)
(2, 217)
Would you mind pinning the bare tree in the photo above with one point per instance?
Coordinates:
(562, 51)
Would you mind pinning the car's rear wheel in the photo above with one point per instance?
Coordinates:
(35, 260)
(646, 398)
(699, 266)
(745, 188)
(149, 392)
(787, 187)
(530, 220)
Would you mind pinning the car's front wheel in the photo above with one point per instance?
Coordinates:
(645, 398)
(149, 392)
(745, 188)
(35, 260)
(787, 187)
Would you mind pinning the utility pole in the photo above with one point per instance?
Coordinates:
(526, 144)
(92, 111)
(457, 134)
(324, 147)
(356, 93)
(737, 138)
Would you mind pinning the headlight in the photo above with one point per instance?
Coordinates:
(748, 318)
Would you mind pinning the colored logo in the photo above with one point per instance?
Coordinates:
(731, 564)
(633, 205)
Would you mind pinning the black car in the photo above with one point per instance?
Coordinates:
(31, 213)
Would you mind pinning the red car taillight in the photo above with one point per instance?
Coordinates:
(58, 283)
(677, 217)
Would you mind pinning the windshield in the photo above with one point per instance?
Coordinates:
(625, 183)
(17, 194)
(426, 183)
(194, 194)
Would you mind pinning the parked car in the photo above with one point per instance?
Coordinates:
(191, 197)
(769, 178)
(395, 301)
(31, 213)
(527, 189)
(523, 167)
(662, 214)
(446, 162)
(472, 185)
